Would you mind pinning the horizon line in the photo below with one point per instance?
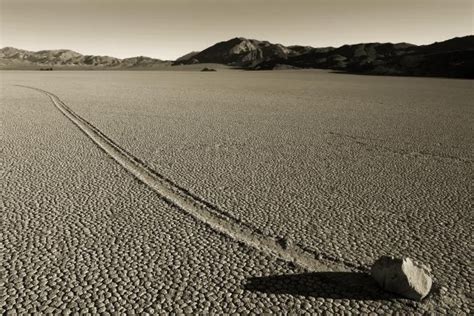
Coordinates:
(239, 37)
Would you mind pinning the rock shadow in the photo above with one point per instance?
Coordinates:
(335, 285)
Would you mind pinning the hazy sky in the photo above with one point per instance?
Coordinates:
(168, 29)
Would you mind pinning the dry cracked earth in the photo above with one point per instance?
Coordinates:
(345, 167)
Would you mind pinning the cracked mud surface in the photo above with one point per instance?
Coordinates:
(348, 175)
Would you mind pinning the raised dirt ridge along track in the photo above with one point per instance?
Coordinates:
(195, 206)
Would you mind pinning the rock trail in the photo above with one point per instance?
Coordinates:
(218, 220)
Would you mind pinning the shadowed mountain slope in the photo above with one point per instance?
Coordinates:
(451, 58)
(186, 57)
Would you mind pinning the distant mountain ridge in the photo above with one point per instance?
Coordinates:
(450, 58)
(13, 57)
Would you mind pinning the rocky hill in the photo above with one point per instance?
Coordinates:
(240, 52)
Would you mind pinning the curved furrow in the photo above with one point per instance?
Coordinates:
(203, 211)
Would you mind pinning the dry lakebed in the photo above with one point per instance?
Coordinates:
(231, 191)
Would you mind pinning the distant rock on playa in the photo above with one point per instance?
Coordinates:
(402, 276)
(207, 69)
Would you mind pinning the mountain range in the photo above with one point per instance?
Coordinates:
(13, 58)
(451, 58)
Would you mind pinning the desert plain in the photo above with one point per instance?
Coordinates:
(343, 168)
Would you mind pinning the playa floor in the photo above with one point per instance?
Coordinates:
(189, 192)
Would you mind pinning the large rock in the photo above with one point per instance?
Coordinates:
(402, 276)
